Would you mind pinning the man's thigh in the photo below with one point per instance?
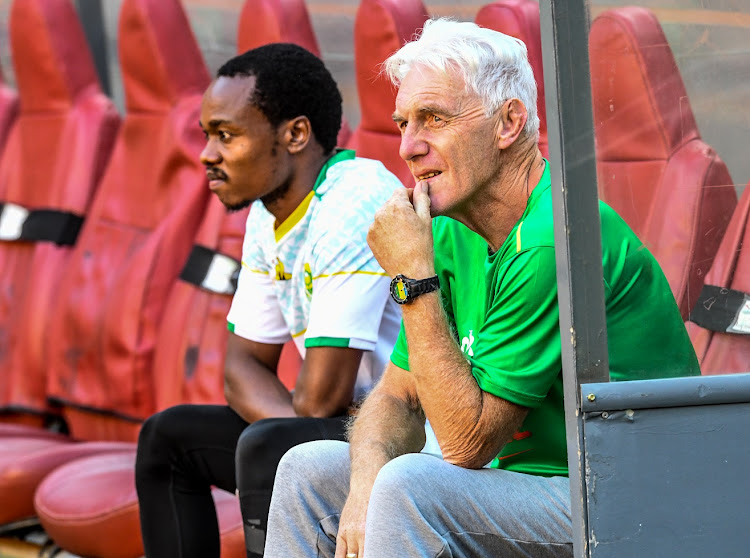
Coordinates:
(423, 506)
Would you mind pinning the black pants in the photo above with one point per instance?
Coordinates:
(186, 449)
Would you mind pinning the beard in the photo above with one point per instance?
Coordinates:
(279, 193)
(234, 207)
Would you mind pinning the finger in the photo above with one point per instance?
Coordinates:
(340, 547)
(421, 200)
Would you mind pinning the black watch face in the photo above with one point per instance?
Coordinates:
(399, 290)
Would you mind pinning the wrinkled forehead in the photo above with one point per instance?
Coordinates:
(428, 85)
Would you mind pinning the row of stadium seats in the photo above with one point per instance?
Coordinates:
(127, 317)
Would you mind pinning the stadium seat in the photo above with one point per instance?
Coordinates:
(133, 244)
(141, 229)
(53, 159)
(520, 19)
(653, 168)
(380, 28)
(280, 21)
(275, 21)
(720, 352)
(8, 113)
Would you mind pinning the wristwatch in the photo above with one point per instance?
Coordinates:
(404, 290)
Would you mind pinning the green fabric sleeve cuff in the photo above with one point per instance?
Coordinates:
(327, 342)
(519, 398)
(400, 360)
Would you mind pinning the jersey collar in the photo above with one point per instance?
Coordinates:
(301, 209)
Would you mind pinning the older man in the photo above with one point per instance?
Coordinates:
(479, 353)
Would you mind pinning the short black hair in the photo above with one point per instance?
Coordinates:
(290, 82)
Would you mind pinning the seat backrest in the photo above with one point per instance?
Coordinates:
(520, 19)
(381, 27)
(722, 353)
(54, 158)
(140, 231)
(191, 344)
(275, 21)
(8, 113)
(653, 168)
(280, 21)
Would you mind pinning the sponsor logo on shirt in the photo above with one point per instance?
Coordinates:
(281, 274)
(466, 343)
(308, 281)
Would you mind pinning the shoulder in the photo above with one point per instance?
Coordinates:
(366, 179)
(354, 190)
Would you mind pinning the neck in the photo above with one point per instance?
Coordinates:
(299, 184)
(505, 200)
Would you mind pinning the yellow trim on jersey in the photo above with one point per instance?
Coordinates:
(518, 237)
(299, 333)
(381, 273)
(250, 269)
(295, 217)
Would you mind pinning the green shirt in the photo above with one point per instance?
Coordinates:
(504, 313)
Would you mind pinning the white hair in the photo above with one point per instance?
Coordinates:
(493, 65)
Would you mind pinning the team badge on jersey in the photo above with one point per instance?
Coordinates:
(308, 281)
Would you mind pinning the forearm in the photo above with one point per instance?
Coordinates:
(386, 427)
(261, 396)
(447, 390)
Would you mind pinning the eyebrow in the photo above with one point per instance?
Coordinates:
(427, 109)
(214, 123)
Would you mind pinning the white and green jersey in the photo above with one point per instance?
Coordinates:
(313, 277)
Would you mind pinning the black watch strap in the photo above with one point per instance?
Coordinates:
(404, 289)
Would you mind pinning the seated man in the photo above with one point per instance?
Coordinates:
(271, 118)
(480, 352)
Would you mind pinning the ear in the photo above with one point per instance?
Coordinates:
(513, 118)
(296, 134)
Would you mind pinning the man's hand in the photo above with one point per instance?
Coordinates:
(350, 539)
(400, 237)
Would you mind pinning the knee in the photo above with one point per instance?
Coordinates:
(402, 483)
(314, 463)
(259, 449)
(161, 432)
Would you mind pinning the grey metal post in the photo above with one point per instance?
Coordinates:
(92, 20)
(564, 27)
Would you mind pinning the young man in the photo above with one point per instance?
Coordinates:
(483, 358)
(271, 118)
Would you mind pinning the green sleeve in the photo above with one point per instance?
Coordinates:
(400, 354)
(520, 355)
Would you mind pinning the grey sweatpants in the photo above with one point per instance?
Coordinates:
(420, 506)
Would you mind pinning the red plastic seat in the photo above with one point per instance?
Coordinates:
(139, 233)
(136, 238)
(653, 168)
(381, 27)
(53, 159)
(103, 520)
(723, 353)
(280, 21)
(275, 21)
(189, 356)
(520, 19)
(8, 114)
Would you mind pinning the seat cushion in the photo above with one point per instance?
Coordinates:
(24, 462)
(90, 507)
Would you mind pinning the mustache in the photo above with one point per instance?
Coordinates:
(215, 174)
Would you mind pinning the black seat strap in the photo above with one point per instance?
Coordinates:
(38, 225)
(211, 270)
(722, 310)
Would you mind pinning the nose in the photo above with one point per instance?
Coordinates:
(210, 156)
(412, 143)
